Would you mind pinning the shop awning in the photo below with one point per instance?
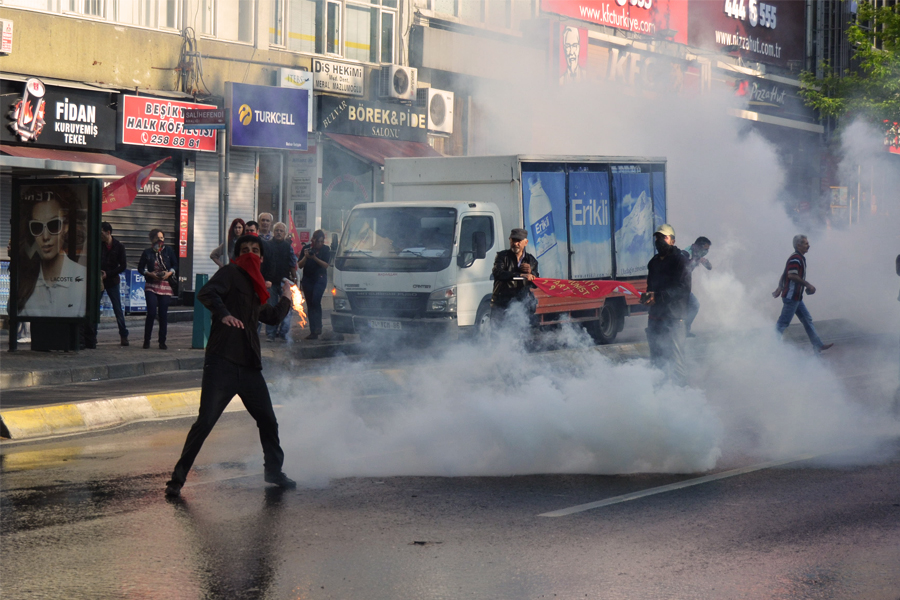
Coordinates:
(97, 164)
(375, 150)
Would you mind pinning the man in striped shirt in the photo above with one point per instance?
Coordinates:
(790, 288)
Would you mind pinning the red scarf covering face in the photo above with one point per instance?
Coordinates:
(250, 262)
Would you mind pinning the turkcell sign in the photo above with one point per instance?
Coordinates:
(267, 117)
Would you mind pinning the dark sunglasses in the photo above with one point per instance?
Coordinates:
(53, 227)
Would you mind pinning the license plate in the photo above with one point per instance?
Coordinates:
(395, 325)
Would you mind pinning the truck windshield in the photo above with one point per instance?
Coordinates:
(398, 239)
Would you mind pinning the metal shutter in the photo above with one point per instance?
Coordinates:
(132, 224)
(242, 202)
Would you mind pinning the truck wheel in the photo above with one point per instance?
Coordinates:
(604, 330)
(483, 320)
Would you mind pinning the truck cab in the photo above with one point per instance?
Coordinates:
(420, 268)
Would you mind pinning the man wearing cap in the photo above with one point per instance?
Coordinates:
(514, 271)
(668, 291)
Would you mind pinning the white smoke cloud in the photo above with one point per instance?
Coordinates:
(481, 409)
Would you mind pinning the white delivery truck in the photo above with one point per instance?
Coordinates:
(420, 262)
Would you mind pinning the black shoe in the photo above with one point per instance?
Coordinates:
(312, 336)
(281, 480)
(124, 341)
(162, 346)
(173, 490)
(689, 334)
(146, 344)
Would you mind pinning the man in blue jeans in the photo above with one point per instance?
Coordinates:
(790, 288)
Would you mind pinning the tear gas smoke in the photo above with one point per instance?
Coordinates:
(494, 409)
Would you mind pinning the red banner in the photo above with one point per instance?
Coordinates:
(585, 289)
(296, 242)
(121, 193)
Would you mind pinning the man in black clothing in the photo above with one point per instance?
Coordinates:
(236, 295)
(668, 293)
(112, 264)
(514, 271)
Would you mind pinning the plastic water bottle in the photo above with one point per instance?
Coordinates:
(543, 232)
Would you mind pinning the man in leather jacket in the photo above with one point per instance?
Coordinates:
(513, 273)
(668, 293)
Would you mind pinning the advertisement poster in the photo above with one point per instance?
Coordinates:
(155, 122)
(589, 225)
(649, 17)
(371, 119)
(53, 253)
(772, 32)
(267, 117)
(544, 204)
(659, 199)
(633, 220)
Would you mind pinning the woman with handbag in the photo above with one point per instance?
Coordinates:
(158, 265)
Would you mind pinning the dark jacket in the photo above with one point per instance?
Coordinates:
(506, 267)
(279, 262)
(670, 279)
(148, 260)
(112, 262)
(230, 292)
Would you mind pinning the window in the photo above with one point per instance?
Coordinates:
(448, 7)
(471, 10)
(93, 8)
(148, 13)
(228, 19)
(471, 225)
(358, 29)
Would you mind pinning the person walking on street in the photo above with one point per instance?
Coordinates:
(237, 297)
(227, 249)
(791, 287)
(112, 264)
(314, 262)
(696, 256)
(668, 291)
(279, 265)
(266, 230)
(158, 265)
(514, 272)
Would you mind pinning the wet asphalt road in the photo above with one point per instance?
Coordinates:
(85, 517)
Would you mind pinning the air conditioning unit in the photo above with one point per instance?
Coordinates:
(397, 81)
(438, 105)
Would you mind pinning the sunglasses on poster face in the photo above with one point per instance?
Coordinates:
(53, 227)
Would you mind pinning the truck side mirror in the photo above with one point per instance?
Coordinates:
(479, 244)
(465, 260)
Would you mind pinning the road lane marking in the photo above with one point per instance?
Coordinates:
(674, 486)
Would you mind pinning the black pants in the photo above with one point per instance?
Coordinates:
(666, 340)
(157, 305)
(222, 379)
(313, 290)
(500, 308)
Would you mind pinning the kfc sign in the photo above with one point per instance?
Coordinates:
(648, 17)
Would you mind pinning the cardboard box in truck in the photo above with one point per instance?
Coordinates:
(421, 261)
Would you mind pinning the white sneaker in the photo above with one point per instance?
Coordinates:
(24, 340)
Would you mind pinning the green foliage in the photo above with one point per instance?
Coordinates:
(870, 89)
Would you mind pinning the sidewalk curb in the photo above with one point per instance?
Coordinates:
(17, 380)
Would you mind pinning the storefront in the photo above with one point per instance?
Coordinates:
(357, 136)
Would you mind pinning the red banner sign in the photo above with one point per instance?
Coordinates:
(649, 17)
(121, 193)
(585, 289)
(156, 122)
(183, 226)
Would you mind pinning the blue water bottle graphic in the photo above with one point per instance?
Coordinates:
(543, 233)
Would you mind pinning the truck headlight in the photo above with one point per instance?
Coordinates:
(443, 300)
(341, 302)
